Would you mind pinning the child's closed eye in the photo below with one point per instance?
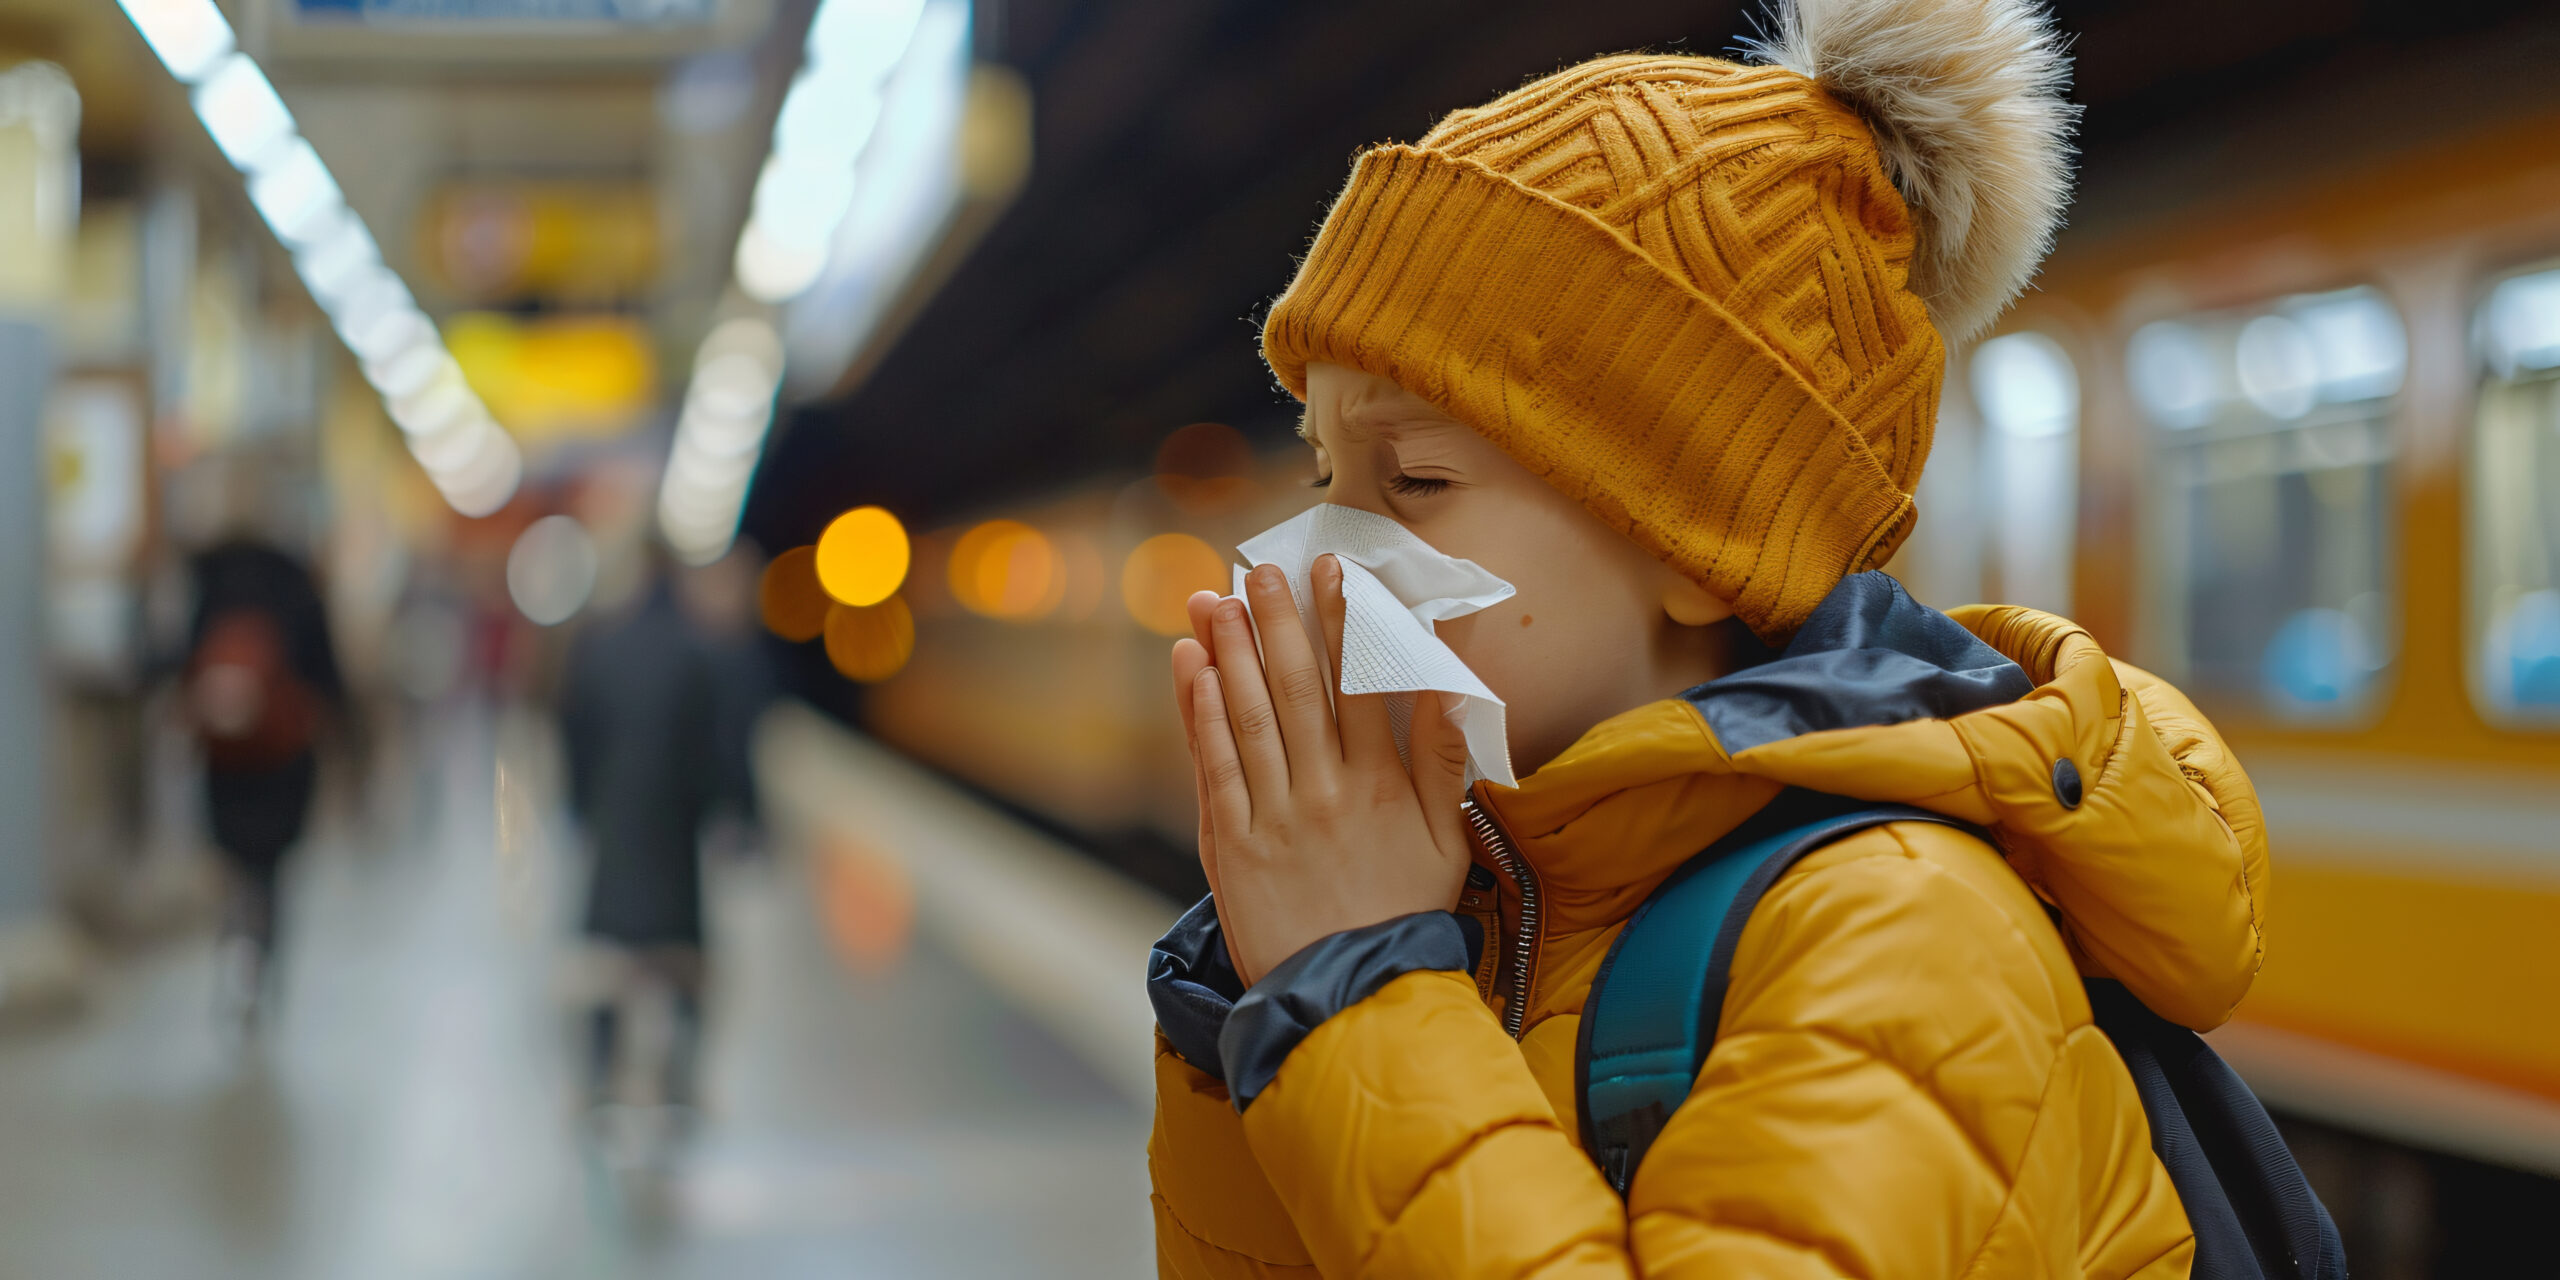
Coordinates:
(1416, 486)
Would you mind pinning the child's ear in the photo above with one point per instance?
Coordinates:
(1692, 605)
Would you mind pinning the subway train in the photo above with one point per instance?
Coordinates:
(2296, 446)
(2317, 483)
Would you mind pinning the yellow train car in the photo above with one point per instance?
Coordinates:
(2301, 452)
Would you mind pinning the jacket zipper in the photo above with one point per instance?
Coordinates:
(1524, 936)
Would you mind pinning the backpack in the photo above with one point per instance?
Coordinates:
(1651, 1018)
(249, 709)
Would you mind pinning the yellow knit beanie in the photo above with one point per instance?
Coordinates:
(1706, 299)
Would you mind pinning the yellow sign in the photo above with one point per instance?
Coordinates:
(579, 375)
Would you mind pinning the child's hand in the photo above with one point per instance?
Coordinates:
(1309, 823)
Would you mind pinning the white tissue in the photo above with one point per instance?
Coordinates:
(1394, 586)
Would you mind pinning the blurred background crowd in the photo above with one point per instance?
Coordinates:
(584, 586)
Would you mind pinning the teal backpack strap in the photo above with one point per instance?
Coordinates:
(1652, 1012)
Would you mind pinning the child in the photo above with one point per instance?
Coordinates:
(1659, 341)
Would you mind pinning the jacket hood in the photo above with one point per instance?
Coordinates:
(2102, 785)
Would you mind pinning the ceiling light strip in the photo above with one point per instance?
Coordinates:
(854, 60)
(474, 463)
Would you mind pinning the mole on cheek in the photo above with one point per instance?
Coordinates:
(1524, 619)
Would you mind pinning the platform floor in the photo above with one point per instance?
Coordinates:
(409, 1110)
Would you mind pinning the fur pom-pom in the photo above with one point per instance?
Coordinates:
(1965, 98)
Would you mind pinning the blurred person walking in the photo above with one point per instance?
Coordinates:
(261, 678)
(720, 599)
(638, 724)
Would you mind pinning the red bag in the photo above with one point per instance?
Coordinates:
(249, 709)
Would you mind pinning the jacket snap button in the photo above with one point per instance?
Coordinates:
(2066, 783)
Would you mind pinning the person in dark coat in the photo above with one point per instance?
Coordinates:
(638, 719)
(261, 676)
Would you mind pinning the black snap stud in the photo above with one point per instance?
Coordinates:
(2066, 783)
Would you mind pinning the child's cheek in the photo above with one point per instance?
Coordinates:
(1491, 643)
(1460, 635)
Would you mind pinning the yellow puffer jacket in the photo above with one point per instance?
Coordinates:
(1905, 1083)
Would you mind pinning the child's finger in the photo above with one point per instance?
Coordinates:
(1209, 868)
(1368, 738)
(1295, 678)
(1199, 606)
(1439, 750)
(1208, 836)
(1222, 771)
(1254, 725)
(1190, 658)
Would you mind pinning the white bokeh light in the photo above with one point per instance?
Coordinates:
(2173, 374)
(2025, 385)
(2277, 366)
(2520, 324)
(862, 39)
(338, 260)
(488, 480)
(190, 36)
(2357, 343)
(242, 112)
(293, 191)
(551, 570)
(771, 271)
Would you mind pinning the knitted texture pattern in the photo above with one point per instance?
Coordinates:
(1675, 288)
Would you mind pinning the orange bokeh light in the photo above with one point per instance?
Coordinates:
(1161, 573)
(862, 557)
(871, 644)
(794, 605)
(1007, 569)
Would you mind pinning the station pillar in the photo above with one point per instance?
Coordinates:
(26, 375)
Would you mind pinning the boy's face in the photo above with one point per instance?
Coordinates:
(1586, 637)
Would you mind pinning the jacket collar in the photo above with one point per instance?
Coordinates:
(1643, 791)
(2102, 786)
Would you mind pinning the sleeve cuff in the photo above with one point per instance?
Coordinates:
(1328, 976)
(1193, 986)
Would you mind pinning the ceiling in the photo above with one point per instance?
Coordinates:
(1185, 151)
(399, 114)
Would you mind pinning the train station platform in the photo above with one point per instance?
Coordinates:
(874, 1104)
(927, 1056)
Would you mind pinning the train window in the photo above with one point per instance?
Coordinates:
(2514, 537)
(2273, 437)
(2028, 396)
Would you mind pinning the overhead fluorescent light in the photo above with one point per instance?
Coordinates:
(862, 179)
(241, 110)
(335, 255)
(294, 193)
(190, 36)
(336, 260)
